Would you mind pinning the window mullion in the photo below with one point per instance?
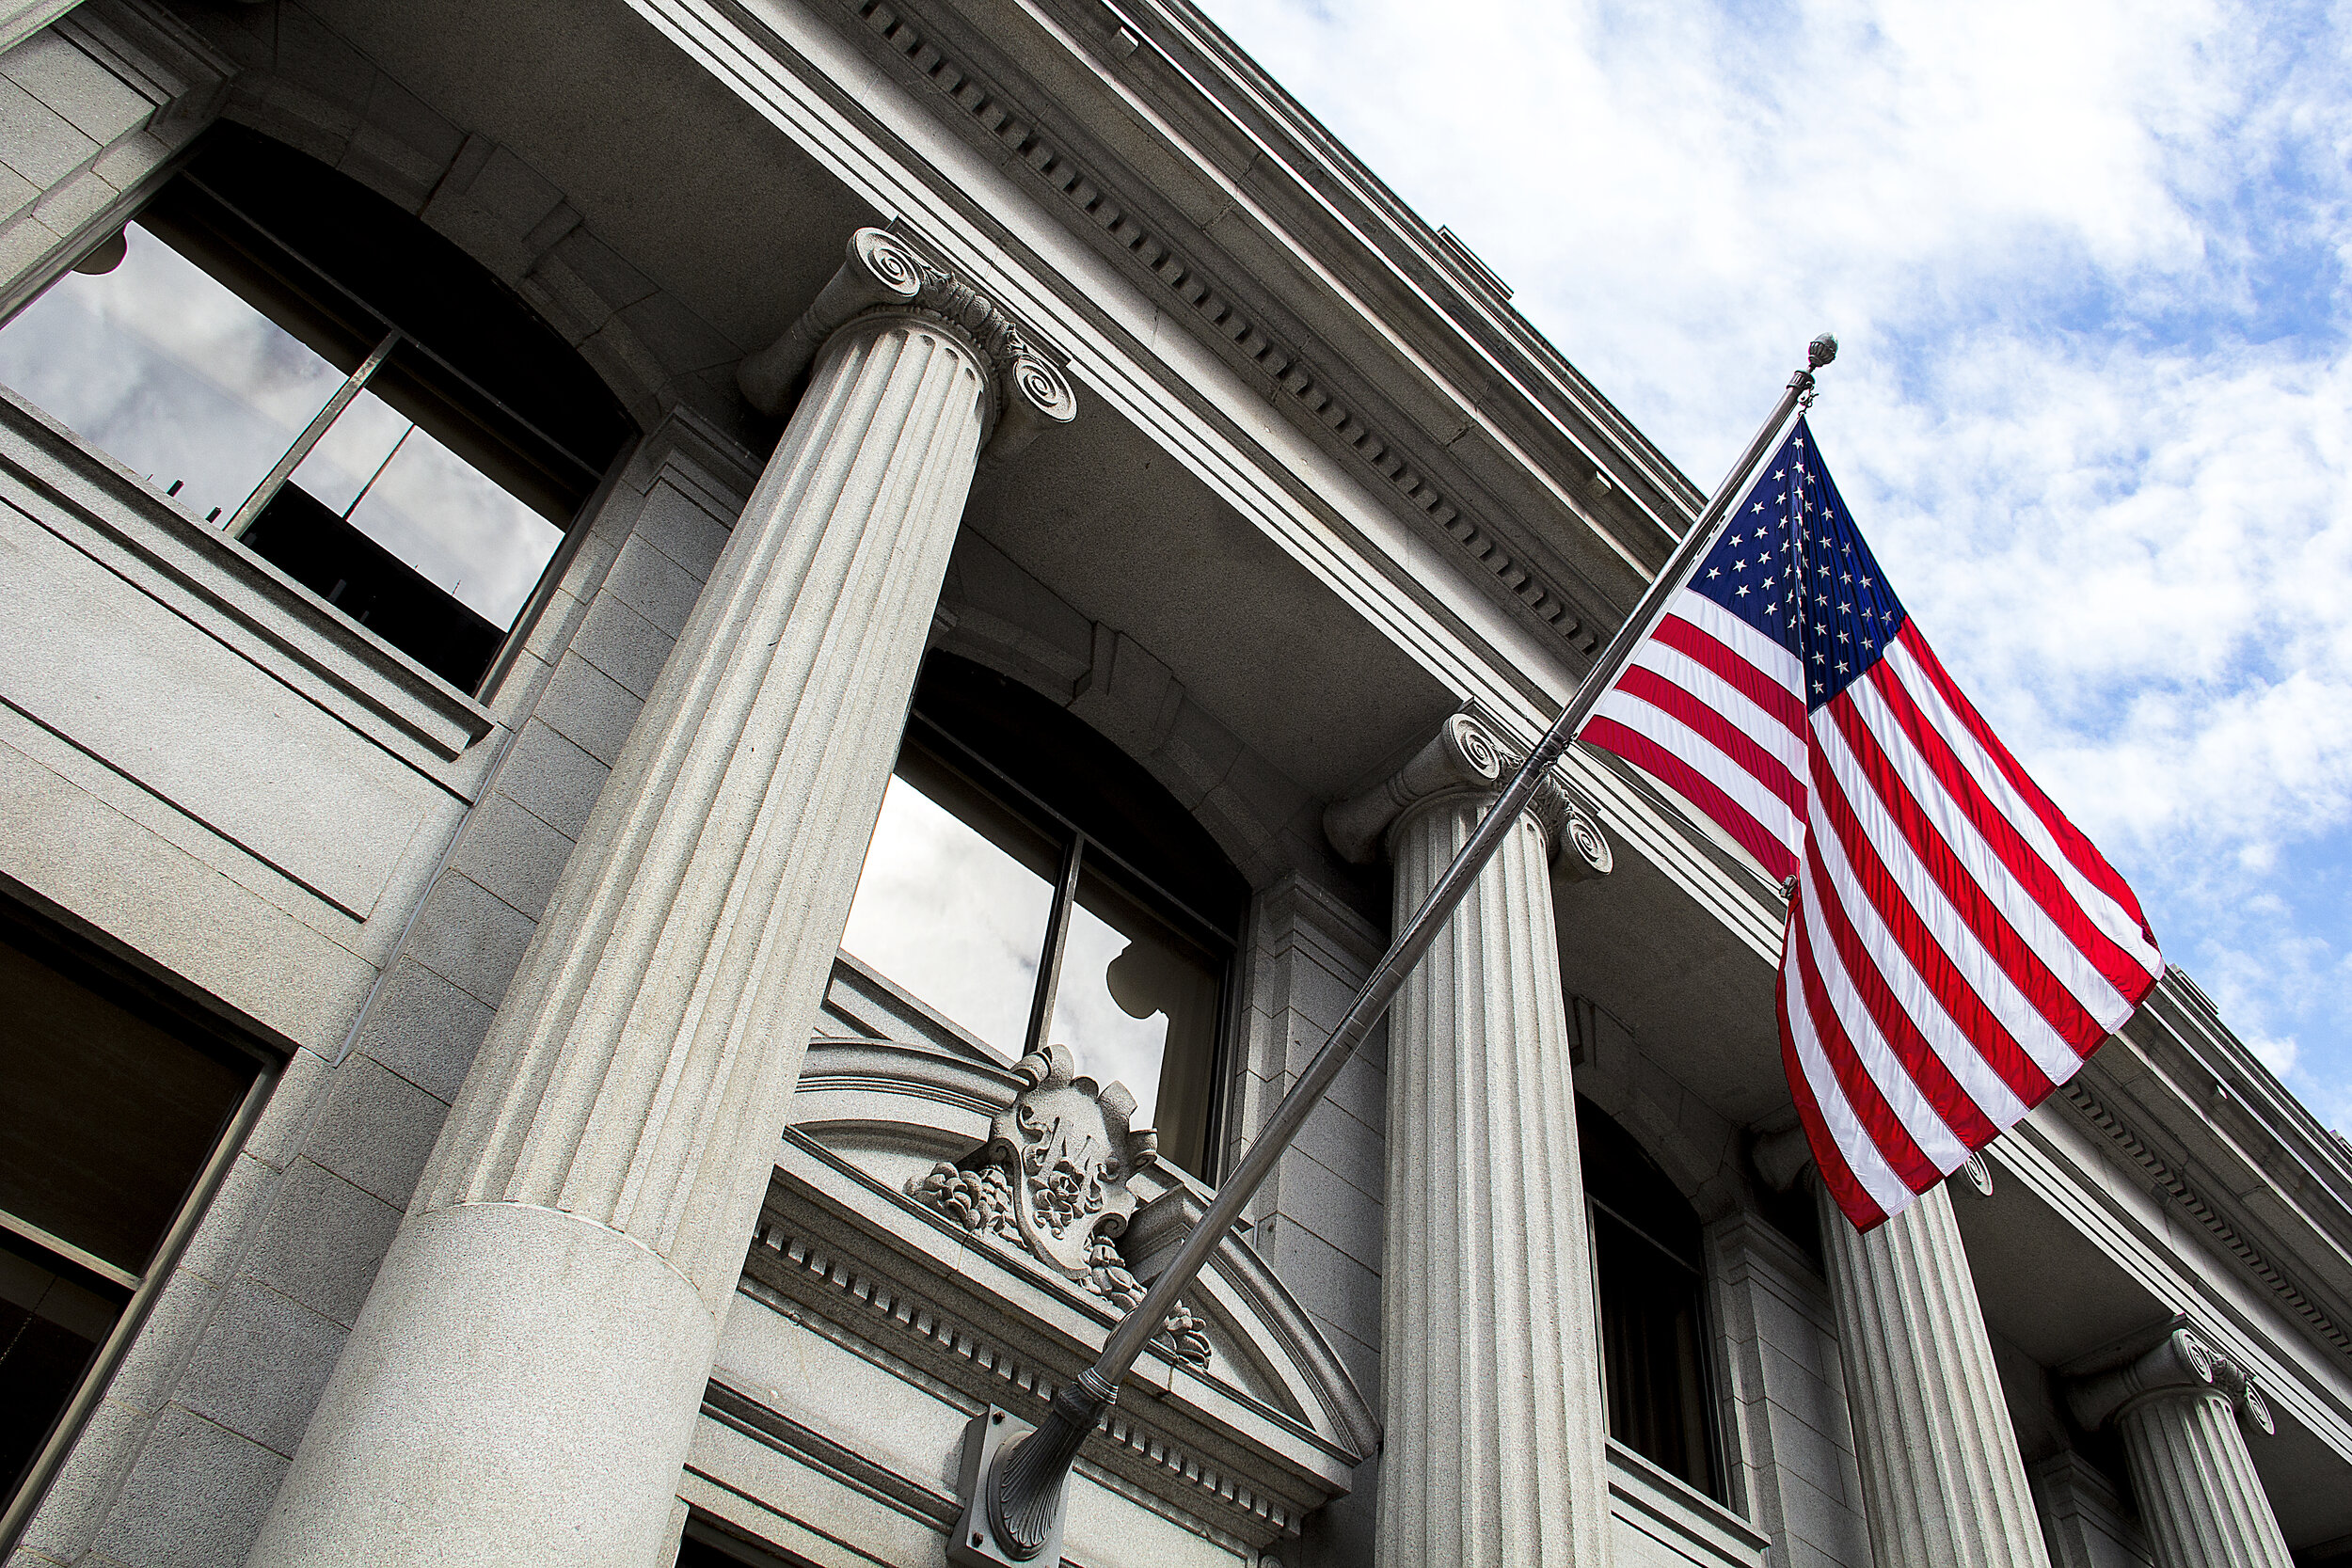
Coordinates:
(1057, 939)
(60, 1247)
(283, 469)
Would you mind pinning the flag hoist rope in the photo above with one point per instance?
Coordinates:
(1020, 1494)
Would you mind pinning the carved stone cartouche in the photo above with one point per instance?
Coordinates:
(1052, 1181)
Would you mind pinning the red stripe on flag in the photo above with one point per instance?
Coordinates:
(1943, 1092)
(2008, 844)
(1878, 1118)
(1853, 1198)
(1719, 732)
(2086, 856)
(1695, 643)
(1686, 781)
(2045, 990)
(1975, 1016)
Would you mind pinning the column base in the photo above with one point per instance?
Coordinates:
(466, 1423)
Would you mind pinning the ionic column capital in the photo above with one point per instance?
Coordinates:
(1466, 759)
(2184, 1411)
(2181, 1363)
(882, 274)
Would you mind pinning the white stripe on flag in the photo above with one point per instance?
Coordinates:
(2104, 912)
(1912, 994)
(1991, 982)
(1902, 1091)
(1770, 812)
(1779, 665)
(1854, 1145)
(1768, 730)
(1982, 863)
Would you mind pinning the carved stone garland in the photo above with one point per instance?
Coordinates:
(1052, 1181)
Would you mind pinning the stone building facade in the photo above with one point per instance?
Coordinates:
(647, 641)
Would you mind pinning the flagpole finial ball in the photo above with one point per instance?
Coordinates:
(1820, 350)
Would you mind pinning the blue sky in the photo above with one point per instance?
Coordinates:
(2094, 407)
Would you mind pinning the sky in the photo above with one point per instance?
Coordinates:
(2087, 264)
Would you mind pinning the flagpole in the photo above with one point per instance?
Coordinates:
(1012, 1510)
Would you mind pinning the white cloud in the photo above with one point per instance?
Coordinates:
(2084, 261)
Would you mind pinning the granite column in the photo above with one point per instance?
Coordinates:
(522, 1383)
(2183, 1412)
(1941, 1479)
(1490, 1360)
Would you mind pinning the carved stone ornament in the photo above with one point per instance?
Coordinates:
(1052, 1181)
(882, 272)
(2183, 1360)
(1468, 756)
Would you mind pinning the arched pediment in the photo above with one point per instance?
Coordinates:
(1241, 1448)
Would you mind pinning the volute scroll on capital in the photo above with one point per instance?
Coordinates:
(2183, 1362)
(1466, 757)
(882, 273)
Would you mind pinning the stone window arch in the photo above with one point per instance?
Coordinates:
(297, 361)
(1028, 884)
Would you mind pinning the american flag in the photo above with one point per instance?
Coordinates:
(1955, 946)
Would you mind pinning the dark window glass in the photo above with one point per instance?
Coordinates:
(111, 1118)
(1032, 884)
(297, 360)
(53, 1317)
(1650, 1273)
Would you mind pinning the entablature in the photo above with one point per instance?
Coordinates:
(1318, 288)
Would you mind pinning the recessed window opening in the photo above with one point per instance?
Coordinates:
(1033, 886)
(1650, 1277)
(300, 363)
(117, 1116)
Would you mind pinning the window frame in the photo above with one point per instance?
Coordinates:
(395, 337)
(54, 940)
(1716, 1429)
(1077, 850)
(594, 484)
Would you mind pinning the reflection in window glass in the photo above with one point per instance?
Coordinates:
(1032, 883)
(1138, 1006)
(430, 508)
(953, 903)
(164, 367)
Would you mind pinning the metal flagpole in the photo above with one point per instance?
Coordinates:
(1014, 1491)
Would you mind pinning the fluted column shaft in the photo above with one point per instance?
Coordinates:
(522, 1383)
(1941, 1480)
(2200, 1499)
(2183, 1412)
(1490, 1367)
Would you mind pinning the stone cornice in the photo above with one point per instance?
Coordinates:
(1573, 560)
(2174, 1187)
